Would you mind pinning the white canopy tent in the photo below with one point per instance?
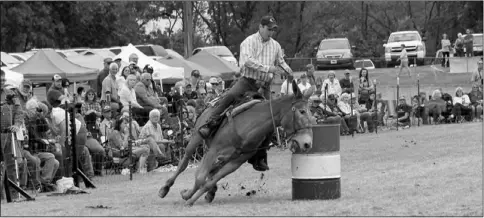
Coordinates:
(168, 75)
(13, 78)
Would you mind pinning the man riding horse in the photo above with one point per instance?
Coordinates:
(260, 56)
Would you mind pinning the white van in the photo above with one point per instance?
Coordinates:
(414, 44)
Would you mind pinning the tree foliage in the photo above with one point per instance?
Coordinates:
(302, 25)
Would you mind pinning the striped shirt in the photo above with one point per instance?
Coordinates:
(257, 56)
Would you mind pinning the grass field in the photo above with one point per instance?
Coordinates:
(421, 171)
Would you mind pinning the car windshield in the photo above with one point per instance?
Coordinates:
(361, 64)
(478, 39)
(146, 50)
(334, 44)
(403, 37)
(219, 51)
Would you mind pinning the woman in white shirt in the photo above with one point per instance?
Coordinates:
(461, 105)
(445, 42)
(345, 107)
(333, 85)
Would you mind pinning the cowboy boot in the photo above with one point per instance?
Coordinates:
(207, 129)
(260, 161)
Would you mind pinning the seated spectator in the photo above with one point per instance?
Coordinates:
(42, 163)
(436, 106)
(127, 94)
(304, 85)
(449, 105)
(332, 84)
(366, 87)
(201, 89)
(461, 105)
(91, 110)
(152, 129)
(59, 126)
(418, 107)
(403, 113)
(107, 125)
(350, 116)
(24, 93)
(81, 94)
(346, 83)
(476, 102)
(362, 116)
(286, 89)
(379, 107)
(478, 75)
(121, 80)
(145, 95)
(119, 143)
(333, 114)
(110, 90)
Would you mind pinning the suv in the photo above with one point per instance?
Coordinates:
(414, 44)
(334, 53)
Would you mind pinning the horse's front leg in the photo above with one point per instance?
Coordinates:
(201, 175)
(227, 169)
(182, 165)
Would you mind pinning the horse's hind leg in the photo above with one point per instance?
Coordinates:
(211, 193)
(224, 171)
(182, 165)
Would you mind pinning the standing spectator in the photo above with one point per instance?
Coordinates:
(419, 107)
(476, 102)
(286, 87)
(477, 76)
(118, 62)
(334, 87)
(304, 85)
(91, 110)
(133, 65)
(346, 83)
(461, 105)
(459, 45)
(366, 87)
(110, 89)
(445, 42)
(189, 93)
(469, 43)
(103, 74)
(403, 61)
(55, 87)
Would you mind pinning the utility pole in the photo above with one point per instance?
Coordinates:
(188, 28)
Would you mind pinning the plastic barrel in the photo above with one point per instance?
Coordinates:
(316, 174)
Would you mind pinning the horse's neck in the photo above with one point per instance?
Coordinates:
(275, 109)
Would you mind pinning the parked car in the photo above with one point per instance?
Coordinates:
(22, 56)
(334, 53)
(366, 63)
(414, 44)
(221, 51)
(66, 53)
(152, 51)
(477, 47)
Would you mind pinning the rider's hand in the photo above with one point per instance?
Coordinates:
(273, 69)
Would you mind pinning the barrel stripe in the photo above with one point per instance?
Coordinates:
(325, 166)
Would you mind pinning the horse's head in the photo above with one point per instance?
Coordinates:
(297, 121)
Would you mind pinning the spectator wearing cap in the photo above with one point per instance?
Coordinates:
(189, 93)
(110, 89)
(333, 85)
(107, 124)
(91, 110)
(118, 62)
(346, 83)
(146, 96)
(103, 74)
(55, 87)
(304, 85)
(286, 87)
(403, 113)
(478, 76)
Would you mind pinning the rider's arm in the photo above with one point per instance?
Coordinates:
(280, 60)
(248, 58)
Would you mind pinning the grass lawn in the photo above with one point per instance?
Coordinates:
(421, 171)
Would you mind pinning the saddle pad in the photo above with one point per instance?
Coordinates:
(243, 107)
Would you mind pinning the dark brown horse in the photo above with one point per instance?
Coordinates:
(246, 131)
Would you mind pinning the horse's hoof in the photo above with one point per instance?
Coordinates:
(209, 197)
(189, 204)
(183, 194)
(163, 191)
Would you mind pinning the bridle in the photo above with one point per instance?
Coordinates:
(295, 129)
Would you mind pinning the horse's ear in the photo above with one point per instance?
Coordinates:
(295, 90)
(308, 92)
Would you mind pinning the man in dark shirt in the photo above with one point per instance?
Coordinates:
(346, 83)
(103, 74)
(469, 43)
(403, 113)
